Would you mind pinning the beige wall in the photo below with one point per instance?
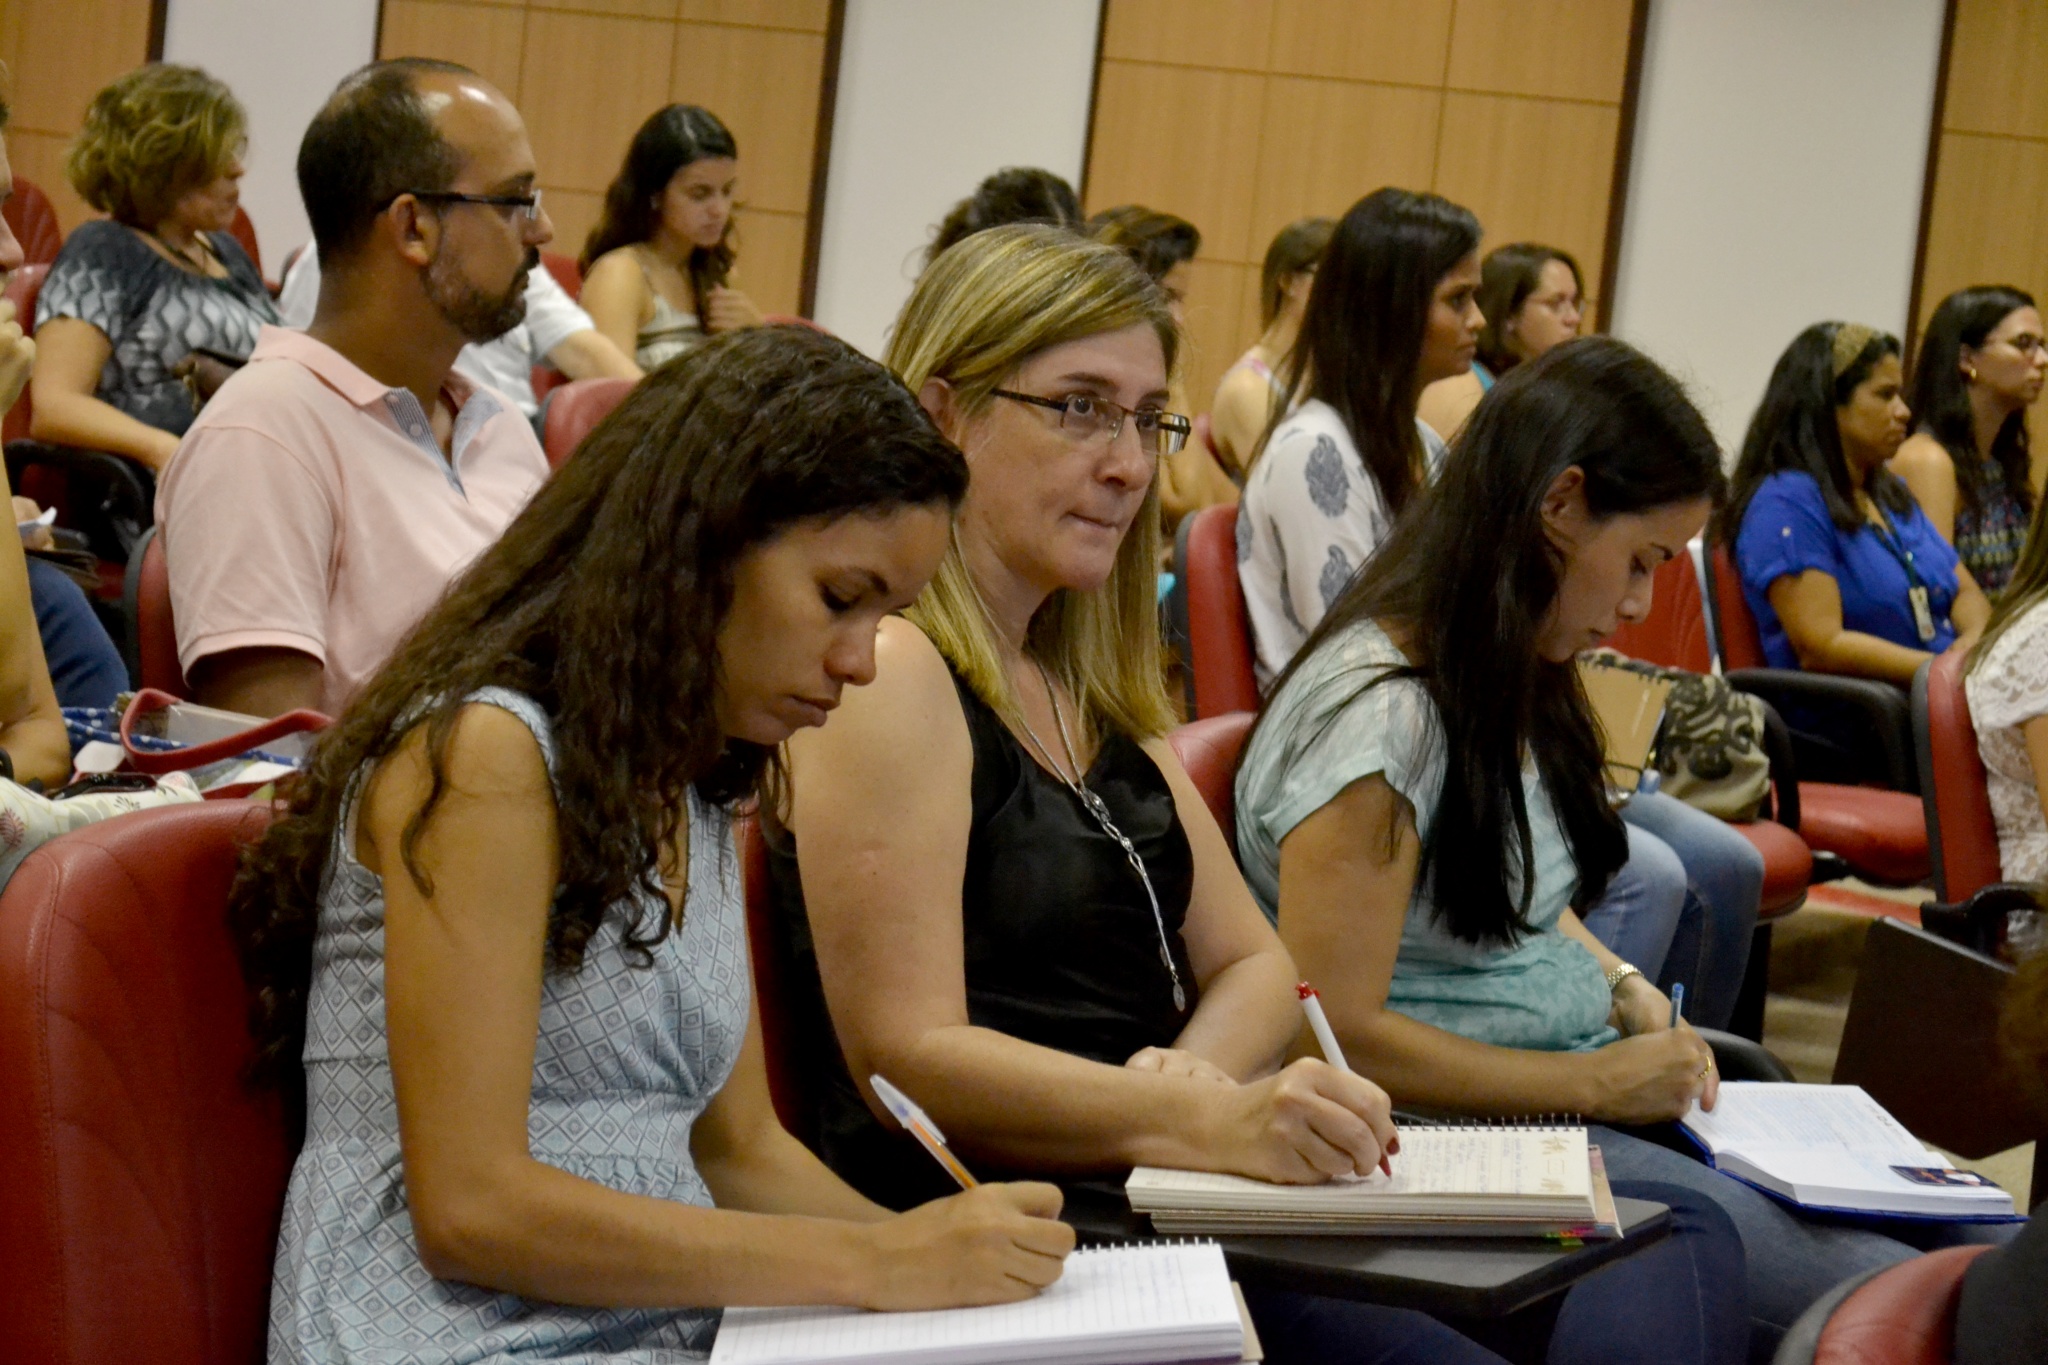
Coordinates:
(1242, 115)
(60, 53)
(1986, 222)
(586, 73)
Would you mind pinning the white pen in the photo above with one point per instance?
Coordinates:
(921, 1127)
(1326, 1038)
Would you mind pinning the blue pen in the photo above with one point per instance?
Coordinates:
(1677, 1002)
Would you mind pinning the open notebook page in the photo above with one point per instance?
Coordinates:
(1756, 1116)
(1146, 1302)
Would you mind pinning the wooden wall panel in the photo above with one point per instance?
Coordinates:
(1989, 178)
(60, 53)
(1555, 49)
(1187, 141)
(1510, 107)
(587, 73)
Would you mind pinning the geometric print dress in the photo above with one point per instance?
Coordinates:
(627, 1058)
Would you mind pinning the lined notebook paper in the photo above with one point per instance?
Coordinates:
(1468, 1173)
(1145, 1303)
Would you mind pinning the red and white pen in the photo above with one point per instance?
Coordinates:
(1326, 1038)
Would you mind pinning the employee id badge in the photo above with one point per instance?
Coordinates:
(1923, 613)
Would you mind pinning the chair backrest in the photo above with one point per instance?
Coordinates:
(1903, 1315)
(34, 222)
(1675, 632)
(142, 1177)
(244, 231)
(1219, 632)
(778, 1030)
(1209, 749)
(23, 287)
(573, 409)
(1962, 835)
(566, 272)
(1741, 644)
(152, 632)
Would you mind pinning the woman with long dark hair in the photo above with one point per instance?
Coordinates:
(1840, 566)
(1534, 298)
(1391, 311)
(657, 265)
(1422, 805)
(1980, 367)
(501, 923)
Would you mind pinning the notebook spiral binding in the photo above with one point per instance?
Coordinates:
(1524, 1124)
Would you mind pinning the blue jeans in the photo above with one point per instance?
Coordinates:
(84, 666)
(1679, 1302)
(1639, 915)
(1726, 873)
(1793, 1259)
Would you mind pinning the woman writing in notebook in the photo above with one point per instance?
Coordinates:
(656, 266)
(1425, 849)
(997, 883)
(501, 920)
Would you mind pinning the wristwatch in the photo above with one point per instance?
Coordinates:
(1622, 972)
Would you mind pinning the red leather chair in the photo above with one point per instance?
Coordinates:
(778, 1032)
(152, 631)
(1880, 834)
(566, 272)
(141, 1176)
(1219, 633)
(1209, 750)
(573, 410)
(22, 288)
(1962, 836)
(34, 223)
(1901, 1315)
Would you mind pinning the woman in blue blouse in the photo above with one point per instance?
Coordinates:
(1842, 570)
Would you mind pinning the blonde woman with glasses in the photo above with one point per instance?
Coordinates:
(996, 882)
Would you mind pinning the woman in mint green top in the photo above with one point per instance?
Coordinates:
(1431, 741)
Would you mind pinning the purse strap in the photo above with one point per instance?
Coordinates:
(149, 701)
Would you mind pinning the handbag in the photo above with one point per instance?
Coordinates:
(1710, 749)
(227, 754)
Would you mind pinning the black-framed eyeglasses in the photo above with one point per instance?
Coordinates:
(1084, 416)
(528, 202)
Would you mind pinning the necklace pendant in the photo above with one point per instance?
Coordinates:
(1180, 998)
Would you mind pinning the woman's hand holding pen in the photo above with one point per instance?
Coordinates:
(1303, 1126)
(990, 1244)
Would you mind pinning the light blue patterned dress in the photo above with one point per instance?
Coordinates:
(626, 1060)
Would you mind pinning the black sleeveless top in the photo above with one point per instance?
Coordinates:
(1060, 945)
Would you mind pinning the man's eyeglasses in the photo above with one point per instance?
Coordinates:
(530, 203)
(1085, 417)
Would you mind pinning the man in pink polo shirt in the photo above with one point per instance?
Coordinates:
(337, 483)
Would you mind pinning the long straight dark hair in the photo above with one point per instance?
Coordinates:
(602, 602)
(1795, 429)
(1941, 396)
(1470, 573)
(669, 140)
(1362, 331)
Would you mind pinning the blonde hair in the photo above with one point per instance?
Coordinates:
(982, 309)
(152, 135)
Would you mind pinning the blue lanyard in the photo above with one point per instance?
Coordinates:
(1886, 537)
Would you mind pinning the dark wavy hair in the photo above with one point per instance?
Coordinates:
(1014, 194)
(1795, 429)
(671, 139)
(1362, 332)
(1471, 573)
(602, 602)
(1941, 396)
(1156, 241)
(1507, 278)
(1294, 248)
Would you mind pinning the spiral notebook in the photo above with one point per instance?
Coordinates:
(1146, 1303)
(1466, 1179)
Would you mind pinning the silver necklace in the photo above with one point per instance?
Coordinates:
(1094, 806)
